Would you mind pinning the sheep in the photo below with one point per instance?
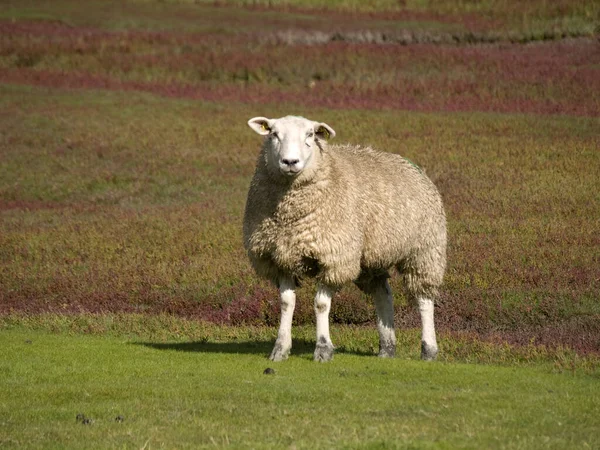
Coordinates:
(341, 213)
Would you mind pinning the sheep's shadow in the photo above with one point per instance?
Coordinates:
(261, 347)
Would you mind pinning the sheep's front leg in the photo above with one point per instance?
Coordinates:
(283, 344)
(324, 348)
(429, 347)
(384, 304)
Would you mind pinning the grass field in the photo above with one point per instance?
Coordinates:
(109, 206)
(124, 165)
(148, 392)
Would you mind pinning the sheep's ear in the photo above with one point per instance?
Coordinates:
(324, 131)
(261, 125)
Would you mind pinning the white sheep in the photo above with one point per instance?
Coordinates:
(340, 214)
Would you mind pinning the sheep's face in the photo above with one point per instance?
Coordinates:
(291, 142)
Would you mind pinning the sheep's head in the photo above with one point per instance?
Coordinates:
(291, 142)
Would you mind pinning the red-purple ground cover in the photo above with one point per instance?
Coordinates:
(516, 274)
(554, 77)
(463, 313)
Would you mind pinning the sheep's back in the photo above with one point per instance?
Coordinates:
(401, 210)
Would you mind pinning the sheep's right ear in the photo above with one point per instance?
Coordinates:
(261, 125)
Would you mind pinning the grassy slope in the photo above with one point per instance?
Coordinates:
(533, 18)
(214, 393)
(120, 201)
(108, 205)
(222, 55)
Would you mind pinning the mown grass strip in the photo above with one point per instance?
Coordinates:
(215, 393)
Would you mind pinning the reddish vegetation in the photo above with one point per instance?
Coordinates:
(554, 77)
(28, 205)
(463, 313)
(547, 78)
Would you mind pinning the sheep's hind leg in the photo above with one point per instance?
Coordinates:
(384, 304)
(283, 344)
(429, 349)
(324, 348)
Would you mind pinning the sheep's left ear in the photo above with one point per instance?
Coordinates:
(324, 131)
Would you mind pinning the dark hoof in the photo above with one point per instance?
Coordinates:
(387, 350)
(279, 353)
(428, 352)
(269, 371)
(323, 352)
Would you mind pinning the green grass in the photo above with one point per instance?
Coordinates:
(454, 347)
(180, 393)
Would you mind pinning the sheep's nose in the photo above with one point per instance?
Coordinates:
(290, 162)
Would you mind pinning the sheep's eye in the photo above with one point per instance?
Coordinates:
(274, 135)
(309, 135)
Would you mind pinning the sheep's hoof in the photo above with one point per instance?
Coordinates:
(428, 352)
(323, 352)
(387, 350)
(280, 352)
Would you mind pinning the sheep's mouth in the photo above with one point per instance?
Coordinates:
(289, 172)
